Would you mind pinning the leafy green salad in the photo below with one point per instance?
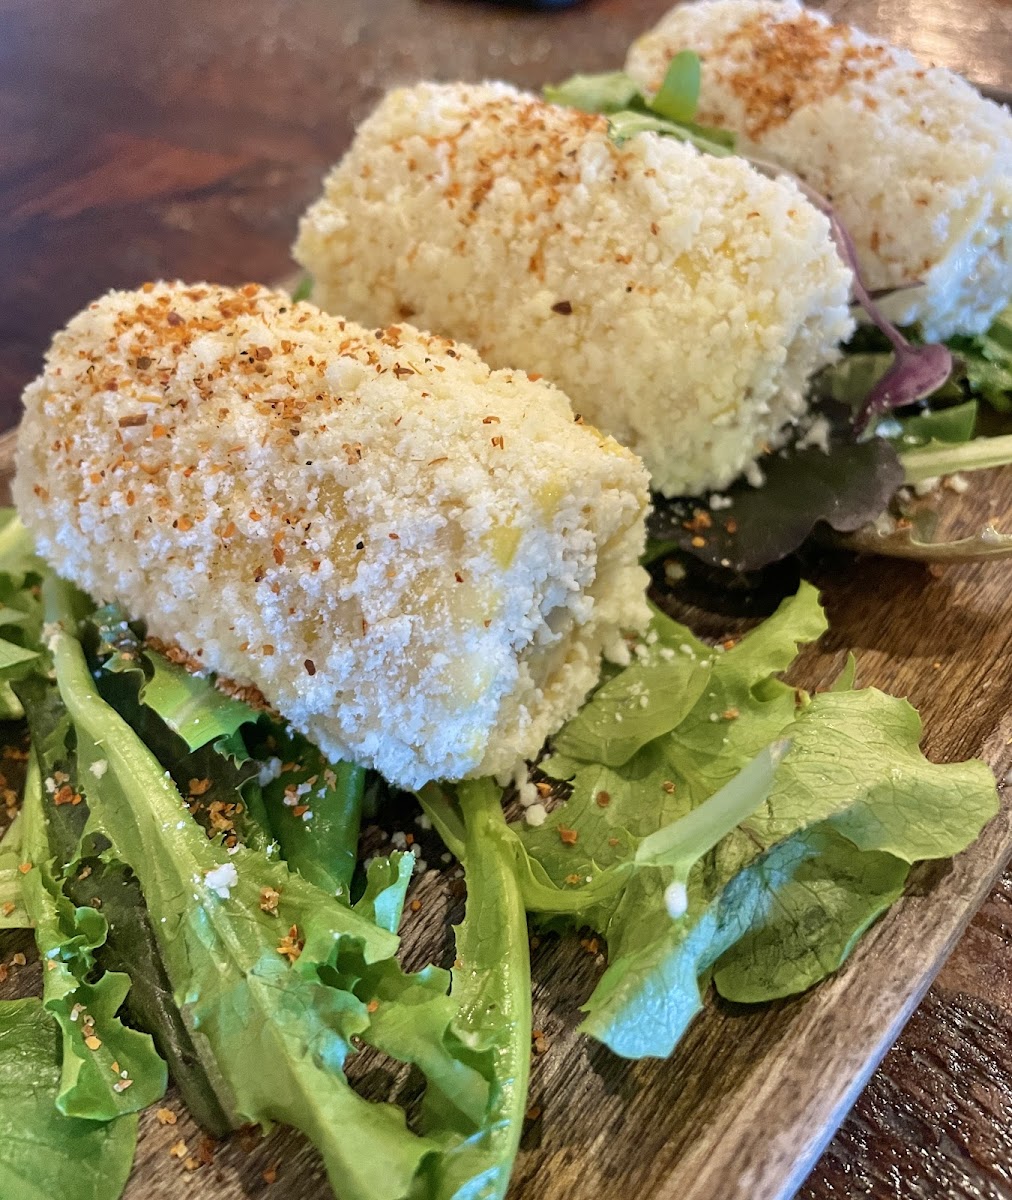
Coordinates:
(189, 866)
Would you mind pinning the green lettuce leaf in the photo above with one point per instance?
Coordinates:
(10, 706)
(195, 711)
(915, 539)
(611, 91)
(304, 288)
(804, 489)
(630, 122)
(492, 985)
(856, 763)
(189, 705)
(953, 425)
(764, 869)
(944, 458)
(807, 902)
(13, 914)
(15, 661)
(310, 806)
(645, 700)
(313, 807)
(21, 650)
(43, 1153)
(386, 887)
(987, 362)
(707, 748)
(678, 96)
(778, 925)
(670, 112)
(18, 559)
(107, 1068)
(129, 947)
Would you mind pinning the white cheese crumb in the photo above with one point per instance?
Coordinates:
(817, 435)
(269, 771)
(99, 767)
(617, 652)
(536, 815)
(754, 475)
(527, 793)
(676, 900)
(221, 879)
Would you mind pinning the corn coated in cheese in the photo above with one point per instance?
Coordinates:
(417, 560)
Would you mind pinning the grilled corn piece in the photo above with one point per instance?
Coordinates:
(418, 561)
(917, 163)
(682, 301)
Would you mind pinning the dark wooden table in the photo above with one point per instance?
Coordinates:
(184, 137)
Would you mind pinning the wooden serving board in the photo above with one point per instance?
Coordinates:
(752, 1095)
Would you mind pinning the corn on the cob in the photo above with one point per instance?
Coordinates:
(917, 163)
(681, 300)
(417, 560)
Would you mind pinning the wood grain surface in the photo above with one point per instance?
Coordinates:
(183, 139)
